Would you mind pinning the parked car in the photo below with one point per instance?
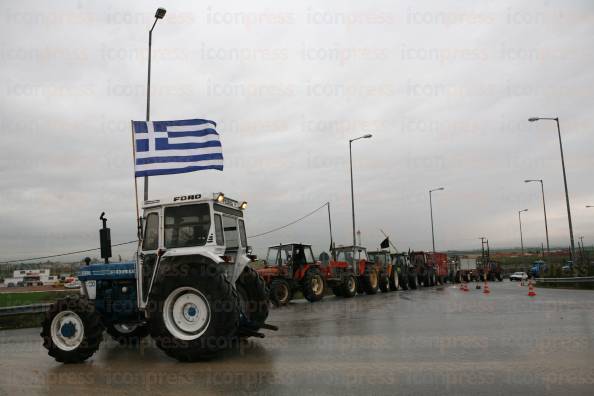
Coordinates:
(518, 276)
(74, 284)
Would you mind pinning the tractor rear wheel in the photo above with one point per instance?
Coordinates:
(194, 310)
(349, 287)
(280, 292)
(403, 279)
(253, 297)
(394, 281)
(72, 330)
(384, 282)
(370, 281)
(412, 281)
(128, 334)
(313, 285)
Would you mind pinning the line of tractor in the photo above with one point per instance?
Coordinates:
(350, 270)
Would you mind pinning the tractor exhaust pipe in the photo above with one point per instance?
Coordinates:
(105, 239)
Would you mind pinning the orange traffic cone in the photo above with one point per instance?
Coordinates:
(531, 292)
(486, 288)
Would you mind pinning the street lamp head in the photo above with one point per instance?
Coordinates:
(367, 136)
(523, 210)
(589, 206)
(160, 13)
(532, 119)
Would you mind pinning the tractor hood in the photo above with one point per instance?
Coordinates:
(126, 270)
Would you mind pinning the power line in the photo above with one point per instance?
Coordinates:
(64, 254)
(289, 224)
(135, 241)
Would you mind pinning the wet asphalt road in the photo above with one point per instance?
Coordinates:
(433, 341)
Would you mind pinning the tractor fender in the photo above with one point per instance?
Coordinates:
(186, 256)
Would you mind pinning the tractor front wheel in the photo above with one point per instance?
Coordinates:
(72, 330)
(384, 282)
(280, 292)
(253, 297)
(349, 287)
(412, 281)
(370, 281)
(313, 286)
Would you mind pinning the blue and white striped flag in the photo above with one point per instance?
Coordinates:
(168, 147)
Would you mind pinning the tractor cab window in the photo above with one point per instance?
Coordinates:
(242, 233)
(280, 256)
(231, 233)
(151, 232)
(187, 225)
(309, 257)
(345, 255)
(272, 257)
(360, 254)
(220, 240)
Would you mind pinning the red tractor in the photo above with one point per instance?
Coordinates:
(289, 268)
(350, 271)
(424, 268)
(439, 262)
(388, 275)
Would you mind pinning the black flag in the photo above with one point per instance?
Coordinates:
(385, 243)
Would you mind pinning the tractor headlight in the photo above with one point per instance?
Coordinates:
(220, 198)
(243, 205)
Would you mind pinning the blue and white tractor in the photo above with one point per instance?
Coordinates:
(191, 287)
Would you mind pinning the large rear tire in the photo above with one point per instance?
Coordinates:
(313, 285)
(403, 279)
(194, 310)
(72, 330)
(253, 297)
(280, 292)
(384, 282)
(394, 280)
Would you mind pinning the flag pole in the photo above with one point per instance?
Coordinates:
(135, 183)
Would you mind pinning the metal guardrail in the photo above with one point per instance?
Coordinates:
(579, 279)
(24, 309)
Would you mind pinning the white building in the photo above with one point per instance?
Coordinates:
(33, 277)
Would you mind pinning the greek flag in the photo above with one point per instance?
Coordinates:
(168, 147)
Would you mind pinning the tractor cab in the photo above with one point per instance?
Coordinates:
(292, 255)
(380, 257)
(345, 254)
(292, 267)
(207, 225)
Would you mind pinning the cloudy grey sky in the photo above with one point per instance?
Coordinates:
(445, 87)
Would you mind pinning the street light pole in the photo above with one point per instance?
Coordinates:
(158, 15)
(556, 119)
(521, 236)
(544, 206)
(431, 211)
(367, 136)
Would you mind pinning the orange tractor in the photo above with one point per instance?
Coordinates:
(350, 272)
(388, 276)
(289, 268)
